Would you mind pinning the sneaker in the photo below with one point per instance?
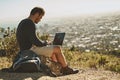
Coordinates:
(67, 70)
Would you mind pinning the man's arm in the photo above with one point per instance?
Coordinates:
(33, 38)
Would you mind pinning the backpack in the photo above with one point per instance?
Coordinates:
(26, 61)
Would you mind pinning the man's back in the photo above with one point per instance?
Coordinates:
(23, 33)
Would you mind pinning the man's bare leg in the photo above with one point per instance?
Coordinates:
(58, 56)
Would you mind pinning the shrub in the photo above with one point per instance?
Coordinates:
(10, 46)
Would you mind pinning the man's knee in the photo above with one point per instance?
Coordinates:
(57, 49)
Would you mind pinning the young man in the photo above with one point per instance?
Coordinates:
(27, 39)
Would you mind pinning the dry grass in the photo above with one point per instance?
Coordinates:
(93, 60)
(5, 62)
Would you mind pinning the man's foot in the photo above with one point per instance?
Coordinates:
(67, 70)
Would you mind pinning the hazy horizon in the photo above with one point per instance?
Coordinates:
(14, 11)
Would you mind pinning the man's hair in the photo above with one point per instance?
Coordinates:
(37, 10)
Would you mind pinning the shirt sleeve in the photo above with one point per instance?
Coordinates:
(33, 38)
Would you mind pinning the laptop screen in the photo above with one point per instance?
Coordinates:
(58, 39)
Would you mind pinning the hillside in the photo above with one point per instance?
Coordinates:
(92, 66)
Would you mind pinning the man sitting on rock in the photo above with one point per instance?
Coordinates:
(27, 39)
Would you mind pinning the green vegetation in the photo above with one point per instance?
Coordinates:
(74, 57)
(93, 60)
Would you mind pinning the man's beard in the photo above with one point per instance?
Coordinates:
(36, 22)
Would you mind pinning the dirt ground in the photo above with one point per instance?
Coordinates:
(88, 74)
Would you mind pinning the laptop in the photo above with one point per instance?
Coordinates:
(58, 39)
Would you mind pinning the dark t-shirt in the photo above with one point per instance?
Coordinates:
(26, 35)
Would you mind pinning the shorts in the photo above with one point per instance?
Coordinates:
(44, 51)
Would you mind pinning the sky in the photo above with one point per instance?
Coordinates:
(15, 10)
